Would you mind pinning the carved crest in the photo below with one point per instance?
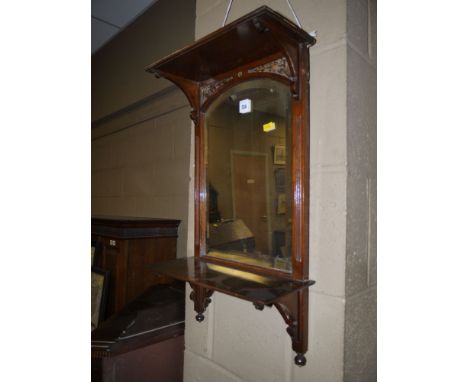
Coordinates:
(207, 91)
(279, 66)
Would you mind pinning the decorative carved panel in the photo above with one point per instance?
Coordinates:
(279, 66)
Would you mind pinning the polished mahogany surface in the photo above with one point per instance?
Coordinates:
(248, 286)
(255, 36)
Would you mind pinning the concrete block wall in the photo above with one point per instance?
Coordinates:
(360, 347)
(118, 79)
(141, 131)
(238, 343)
(140, 163)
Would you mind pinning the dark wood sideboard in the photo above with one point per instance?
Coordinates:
(144, 341)
(127, 246)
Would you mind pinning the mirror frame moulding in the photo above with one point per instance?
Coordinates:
(284, 58)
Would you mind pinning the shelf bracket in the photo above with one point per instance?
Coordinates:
(292, 307)
(294, 310)
(201, 299)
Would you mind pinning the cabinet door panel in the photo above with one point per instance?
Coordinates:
(143, 253)
(115, 259)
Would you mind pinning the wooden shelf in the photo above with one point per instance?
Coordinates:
(289, 296)
(259, 34)
(253, 287)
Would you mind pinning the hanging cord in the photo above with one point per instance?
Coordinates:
(313, 33)
(294, 13)
(227, 12)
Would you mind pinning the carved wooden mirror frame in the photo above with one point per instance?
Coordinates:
(262, 44)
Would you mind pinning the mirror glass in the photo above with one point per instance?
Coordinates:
(248, 167)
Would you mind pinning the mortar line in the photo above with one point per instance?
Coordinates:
(319, 49)
(138, 122)
(362, 55)
(208, 360)
(133, 106)
(360, 293)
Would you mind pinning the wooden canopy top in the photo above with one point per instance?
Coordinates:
(259, 34)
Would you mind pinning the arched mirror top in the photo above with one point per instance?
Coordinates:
(278, 69)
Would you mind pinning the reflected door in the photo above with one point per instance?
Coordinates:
(248, 174)
(250, 195)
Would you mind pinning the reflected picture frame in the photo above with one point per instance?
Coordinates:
(99, 292)
(280, 179)
(281, 204)
(279, 154)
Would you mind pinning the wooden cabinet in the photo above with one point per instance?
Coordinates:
(127, 247)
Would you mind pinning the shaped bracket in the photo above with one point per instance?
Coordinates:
(201, 299)
(293, 308)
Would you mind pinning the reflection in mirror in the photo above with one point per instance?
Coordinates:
(248, 166)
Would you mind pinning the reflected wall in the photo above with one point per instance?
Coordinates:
(248, 167)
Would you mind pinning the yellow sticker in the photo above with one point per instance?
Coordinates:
(270, 126)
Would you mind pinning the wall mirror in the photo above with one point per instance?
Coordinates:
(248, 86)
(248, 175)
